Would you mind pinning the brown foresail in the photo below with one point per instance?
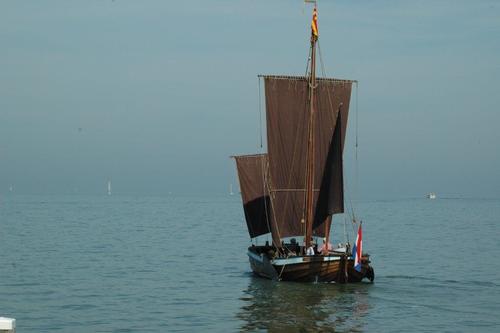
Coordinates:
(287, 108)
(256, 202)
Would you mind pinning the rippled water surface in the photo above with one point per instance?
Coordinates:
(167, 264)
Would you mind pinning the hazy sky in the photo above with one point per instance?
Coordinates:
(165, 91)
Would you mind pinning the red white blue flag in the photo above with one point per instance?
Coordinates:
(357, 250)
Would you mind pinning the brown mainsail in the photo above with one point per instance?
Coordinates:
(287, 130)
(294, 190)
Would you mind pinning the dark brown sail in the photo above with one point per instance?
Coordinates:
(287, 120)
(287, 124)
(256, 201)
(331, 127)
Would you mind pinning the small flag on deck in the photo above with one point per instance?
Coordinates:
(314, 23)
(357, 249)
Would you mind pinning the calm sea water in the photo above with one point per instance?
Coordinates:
(168, 264)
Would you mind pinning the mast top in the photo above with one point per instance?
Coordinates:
(314, 24)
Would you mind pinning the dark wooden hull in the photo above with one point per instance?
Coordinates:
(337, 268)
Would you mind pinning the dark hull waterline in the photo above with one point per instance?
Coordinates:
(337, 268)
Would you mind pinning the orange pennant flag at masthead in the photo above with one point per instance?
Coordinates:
(314, 23)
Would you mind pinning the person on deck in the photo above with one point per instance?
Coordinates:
(310, 250)
(325, 248)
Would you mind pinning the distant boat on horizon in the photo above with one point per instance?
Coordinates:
(431, 195)
(109, 187)
(231, 189)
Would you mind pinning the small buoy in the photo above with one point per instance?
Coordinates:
(7, 325)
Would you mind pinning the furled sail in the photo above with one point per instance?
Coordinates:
(256, 201)
(287, 105)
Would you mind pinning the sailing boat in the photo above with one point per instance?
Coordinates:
(293, 190)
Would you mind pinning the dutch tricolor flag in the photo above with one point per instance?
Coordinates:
(357, 249)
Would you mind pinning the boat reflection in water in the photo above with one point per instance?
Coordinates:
(303, 307)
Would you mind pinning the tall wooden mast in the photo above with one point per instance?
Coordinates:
(310, 144)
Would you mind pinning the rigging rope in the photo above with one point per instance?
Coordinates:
(351, 211)
(266, 178)
(308, 61)
(260, 115)
(356, 176)
(263, 167)
(356, 189)
(321, 60)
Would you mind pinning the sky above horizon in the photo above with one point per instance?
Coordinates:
(156, 95)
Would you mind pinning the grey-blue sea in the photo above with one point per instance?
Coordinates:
(78, 263)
